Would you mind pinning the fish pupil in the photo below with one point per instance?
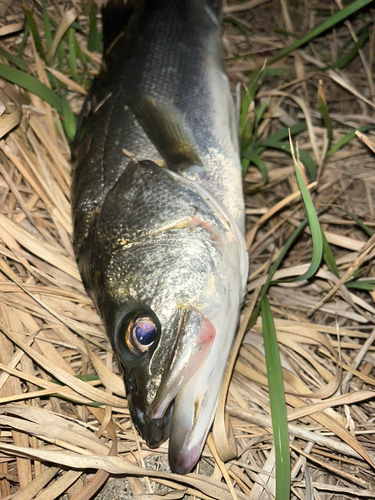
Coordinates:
(145, 332)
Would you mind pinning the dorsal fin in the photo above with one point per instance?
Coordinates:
(165, 127)
(116, 15)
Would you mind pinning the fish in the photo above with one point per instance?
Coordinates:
(158, 214)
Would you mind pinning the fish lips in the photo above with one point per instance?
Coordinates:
(195, 337)
(156, 430)
(159, 429)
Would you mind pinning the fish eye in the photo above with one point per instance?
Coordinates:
(140, 333)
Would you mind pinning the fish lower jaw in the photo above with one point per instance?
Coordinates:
(181, 461)
(188, 435)
(184, 449)
(186, 438)
(182, 455)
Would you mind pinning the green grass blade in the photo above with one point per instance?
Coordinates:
(47, 27)
(77, 27)
(247, 135)
(284, 146)
(84, 378)
(244, 111)
(355, 275)
(25, 37)
(244, 30)
(325, 115)
(245, 165)
(61, 57)
(361, 224)
(275, 266)
(253, 83)
(368, 285)
(283, 134)
(277, 403)
(72, 42)
(316, 232)
(35, 33)
(326, 25)
(275, 72)
(17, 61)
(249, 98)
(94, 41)
(259, 113)
(259, 164)
(345, 60)
(328, 257)
(70, 120)
(38, 88)
(347, 138)
(33, 85)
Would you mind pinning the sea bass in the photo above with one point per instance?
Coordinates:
(159, 214)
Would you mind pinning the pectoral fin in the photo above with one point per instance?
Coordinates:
(167, 131)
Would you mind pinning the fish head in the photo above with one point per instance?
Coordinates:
(162, 334)
(170, 271)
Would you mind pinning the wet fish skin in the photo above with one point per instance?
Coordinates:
(156, 241)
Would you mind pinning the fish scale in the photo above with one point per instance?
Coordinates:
(163, 247)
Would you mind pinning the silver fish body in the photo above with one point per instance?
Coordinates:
(159, 237)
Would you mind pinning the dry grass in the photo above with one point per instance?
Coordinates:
(52, 438)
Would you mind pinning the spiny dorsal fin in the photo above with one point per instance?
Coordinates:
(116, 15)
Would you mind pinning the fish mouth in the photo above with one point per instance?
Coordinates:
(182, 394)
(158, 430)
